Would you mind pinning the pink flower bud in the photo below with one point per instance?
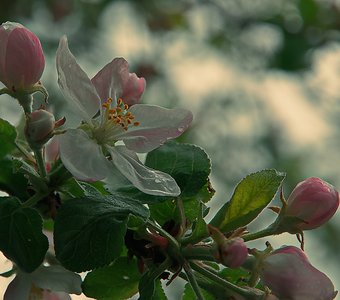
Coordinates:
(289, 275)
(233, 253)
(22, 59)
(314, 202)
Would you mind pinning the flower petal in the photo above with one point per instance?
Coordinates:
(57, 278)
(147, 180)
(133, 89)
(114, 81)
(75, 84)
(19, 287)
(157, 125)
(82, 156)
(111, 78)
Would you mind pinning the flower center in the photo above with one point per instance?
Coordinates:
(118, 115)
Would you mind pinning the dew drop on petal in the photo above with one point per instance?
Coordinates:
(180, 129)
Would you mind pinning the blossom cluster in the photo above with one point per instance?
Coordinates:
(114, 127)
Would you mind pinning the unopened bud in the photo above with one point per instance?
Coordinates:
(39, 127)
(231, 252)
(312, 203)
(289, 275)
(22, 59)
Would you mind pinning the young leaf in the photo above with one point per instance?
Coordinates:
(250, 197)
(93, 229)
(118, 281)
(21, 237)
(8, 135)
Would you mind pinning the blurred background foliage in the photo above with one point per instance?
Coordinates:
(261, 77)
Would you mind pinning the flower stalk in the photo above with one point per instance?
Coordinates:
(251, 294)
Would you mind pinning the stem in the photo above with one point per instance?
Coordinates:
(192, 280)
(34, 199)
(170, 238)
(248, 294)
(198, 253)
(28, 155)
(40, 162)
(181, 217)
(26, 101)
(270, 230)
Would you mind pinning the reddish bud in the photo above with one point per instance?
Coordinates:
(289, 275)
(313, 201)
(233, 253)
(22, 59)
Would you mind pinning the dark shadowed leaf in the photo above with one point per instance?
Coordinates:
(21, 237)
(93, 229)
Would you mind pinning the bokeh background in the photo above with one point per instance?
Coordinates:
(262, 78)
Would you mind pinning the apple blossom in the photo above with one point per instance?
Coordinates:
(115, 125)
(22, 59)
(290, 276)
(46, 282)
(313, 201)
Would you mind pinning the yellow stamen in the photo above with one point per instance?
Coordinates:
(119, 115)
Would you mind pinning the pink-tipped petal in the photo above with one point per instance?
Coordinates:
(114, 81)
(133, 89)
(156, 126)
(147, 180)
(82, 156)
(75, 84)
(109, 81)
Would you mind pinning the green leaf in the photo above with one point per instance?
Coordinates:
(250, 197)
(168, 210)
(21, 237)
(237, 276)
(93, 229)
(147, 286)
(118, 281)
(159, 292)
(11, 182)
(199, 230)
(189, 294)
(34, 178)
(8, 135)
(188, 164)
